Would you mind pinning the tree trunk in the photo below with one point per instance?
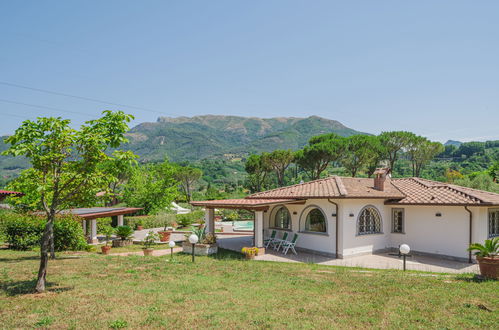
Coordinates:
(48, 234)
(52, 247)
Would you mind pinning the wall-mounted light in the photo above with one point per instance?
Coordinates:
(351, 215)
(333, 215)
(438, 214)
(295, 213)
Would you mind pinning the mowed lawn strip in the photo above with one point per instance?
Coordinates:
(96, 291)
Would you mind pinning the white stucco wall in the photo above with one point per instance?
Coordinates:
(353, 244)
(446, 235)
(424, 231)
(312, 241)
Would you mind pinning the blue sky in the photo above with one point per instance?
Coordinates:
(431, 67)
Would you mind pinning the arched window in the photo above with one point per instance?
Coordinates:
(369, 221)
(315, 221)
(282, 218)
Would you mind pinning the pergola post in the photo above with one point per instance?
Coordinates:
(259, 232)
(120, 220)
(93, 232)
(209, 220)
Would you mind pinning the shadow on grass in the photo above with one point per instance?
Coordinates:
(36, 257)
(16, 288)
(473, 278)
(224, 254)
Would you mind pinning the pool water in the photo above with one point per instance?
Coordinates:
(243, 225)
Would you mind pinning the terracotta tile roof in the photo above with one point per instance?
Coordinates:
(334, 187)
(243, 202)
(4, 193)
(426, 192)
(407, 191)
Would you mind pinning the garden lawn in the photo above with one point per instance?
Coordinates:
(90, 290)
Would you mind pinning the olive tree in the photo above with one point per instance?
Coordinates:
(66, 164)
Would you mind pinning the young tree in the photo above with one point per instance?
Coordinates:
(321, 151)
(258, 168)
(279, 160)
(393, 143)
(67, 164)
(359, 151)
(120, 166)
(152, 187)
(187, 176)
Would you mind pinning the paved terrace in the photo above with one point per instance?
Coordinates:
(377, 261)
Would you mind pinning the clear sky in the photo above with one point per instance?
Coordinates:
(431, 67)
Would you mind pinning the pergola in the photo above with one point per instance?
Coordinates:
(91, 214)
(6, 193)
(258, 206)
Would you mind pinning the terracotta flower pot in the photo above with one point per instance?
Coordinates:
(489, 267)
(249, 256)
(105, 249)
(164, 236)
(140, 227)
(147, 252)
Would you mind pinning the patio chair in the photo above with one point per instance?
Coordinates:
(290, 245)
(269, 240)
(278, 242)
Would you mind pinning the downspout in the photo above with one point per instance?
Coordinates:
(337, 226)
(470, 232)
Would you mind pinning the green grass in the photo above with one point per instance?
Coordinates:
(95, 291)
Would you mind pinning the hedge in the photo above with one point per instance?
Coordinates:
(23, 232)
(159, 220)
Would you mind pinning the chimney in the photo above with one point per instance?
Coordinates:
(380, 176)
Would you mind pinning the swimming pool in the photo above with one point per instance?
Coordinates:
(243, 225)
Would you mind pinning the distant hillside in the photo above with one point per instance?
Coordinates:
(453, 143)
(194, 138)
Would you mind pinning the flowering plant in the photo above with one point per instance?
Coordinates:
(250, 251)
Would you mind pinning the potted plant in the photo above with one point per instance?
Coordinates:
(250, 252)
(149, 241)
(108, 231)
(164, 235)
(487, 256)
(125, 234)
(206, 245)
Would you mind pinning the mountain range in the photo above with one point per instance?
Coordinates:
(210, 136)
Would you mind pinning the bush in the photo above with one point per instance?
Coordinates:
(23, 232)
(188, 219)
(103, 223)
(68, 234)
(151, 221)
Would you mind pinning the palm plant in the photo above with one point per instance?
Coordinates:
(124, 232)
(489, 249)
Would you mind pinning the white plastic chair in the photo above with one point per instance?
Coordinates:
(287, 245)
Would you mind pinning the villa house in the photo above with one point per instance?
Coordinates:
(344, 217)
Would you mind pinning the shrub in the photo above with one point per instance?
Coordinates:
(68, 234)
(151, 221)
(103, 223)
(24, 232)
(188, 219)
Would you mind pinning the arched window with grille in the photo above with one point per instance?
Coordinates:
(369, 221)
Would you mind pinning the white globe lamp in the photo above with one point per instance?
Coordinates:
(193, 239)
(171, 244)
(404, 249)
